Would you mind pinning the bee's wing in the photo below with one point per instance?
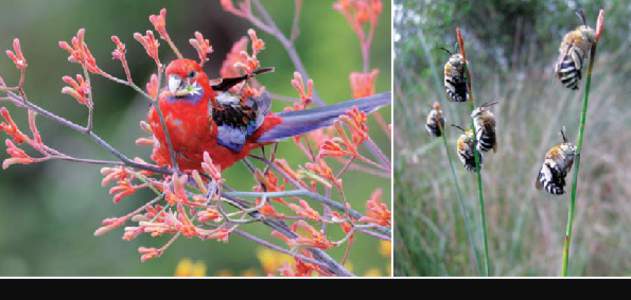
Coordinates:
(561, 57)
(538, 183)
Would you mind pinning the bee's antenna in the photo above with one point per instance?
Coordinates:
(563, 134)
(446, 50)
(581, 16)
(488, 104)
(454, 125)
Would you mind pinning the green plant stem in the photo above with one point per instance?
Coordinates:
(463, 208)
(476, 155)
(579, 146)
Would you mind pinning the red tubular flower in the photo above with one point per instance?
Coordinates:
(283, 165)
(322, 169)
(79, 89)
(152, 86)
(17, 56)
(358, 13)
(210, 169)
(356, 122)
(269, 211)
(109, 224)
(244, 10)
(148, 253)
(120, 54)
(37, 137)
(123, 189)
(228, 66)
(178, 193)
(363, 84)
(209, 215)
(111, 174)
(257, 44)
(159, 23)
(10, 128)
(334, 147)
(132, 232)
(314, 237)
(151, 45)
(18, 156)
(305, 93)
(80, 53)
(202, 46)
(304, 210)
(246, 62)
(220, 234)
(377, 212)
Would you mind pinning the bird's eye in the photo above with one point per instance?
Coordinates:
(192, 74)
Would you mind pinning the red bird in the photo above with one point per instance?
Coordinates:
(203, 117)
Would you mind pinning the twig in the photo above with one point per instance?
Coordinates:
(567, 241)
(269, 26)
(476, 155)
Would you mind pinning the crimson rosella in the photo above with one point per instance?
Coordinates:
(202, 118)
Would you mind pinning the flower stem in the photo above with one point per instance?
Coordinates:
(463, 208)
(476, 155)
(567, 241)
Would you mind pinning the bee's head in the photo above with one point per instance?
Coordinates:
(568, 149)
(587, 33)
(436, 106)
(483, 109)
(456, 60)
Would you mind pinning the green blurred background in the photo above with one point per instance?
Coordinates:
(512, 46)
(48, 212)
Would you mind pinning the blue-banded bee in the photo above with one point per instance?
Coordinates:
(556, 164)
(484, 122)
(465, 149)
(455, 78)
(435, 122)
(574, 48)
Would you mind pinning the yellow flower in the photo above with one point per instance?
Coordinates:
(272, 260)
(373, 272)
(349, 266)
(186, 268)
(224, 273)
(385, 248)
(251, 272)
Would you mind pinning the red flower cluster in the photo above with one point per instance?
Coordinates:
(80, 52)
(79, 89)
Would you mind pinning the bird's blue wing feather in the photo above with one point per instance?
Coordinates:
(300, 122)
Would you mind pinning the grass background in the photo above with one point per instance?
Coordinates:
(512, 47)
(49, 211)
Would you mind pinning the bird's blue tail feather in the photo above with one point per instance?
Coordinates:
(300, 122)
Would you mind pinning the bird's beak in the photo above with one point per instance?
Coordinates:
(175, 83)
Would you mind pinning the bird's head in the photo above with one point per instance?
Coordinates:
(187, 79)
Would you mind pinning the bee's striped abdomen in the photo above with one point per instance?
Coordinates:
(465, 151)
(456, 88)
(435, 121)
(433, 129)
(551, 179)
(468, 159)
(486, 140)
(569, 68)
